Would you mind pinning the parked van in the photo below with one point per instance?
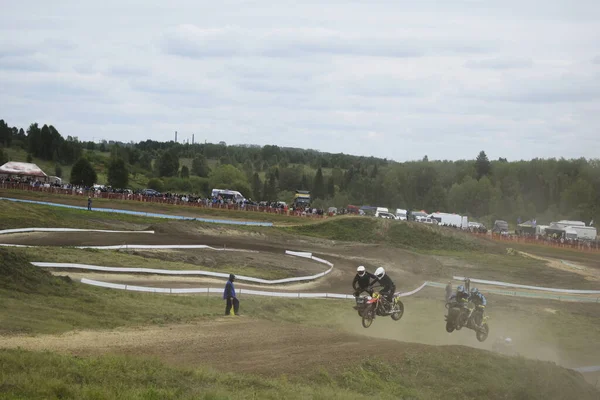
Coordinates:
(401, 214)
(381, 210)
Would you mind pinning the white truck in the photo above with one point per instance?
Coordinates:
(448, 219)
(401, 214)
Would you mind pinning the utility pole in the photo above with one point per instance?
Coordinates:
(175, 136)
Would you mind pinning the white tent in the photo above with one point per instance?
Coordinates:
(13, 168)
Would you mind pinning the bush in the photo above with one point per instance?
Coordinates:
(83, 173)
(156, 184)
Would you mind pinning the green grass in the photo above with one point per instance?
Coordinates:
(430, 374)
(22, 215)
(588, 258)
(511, 268)
(34, 301)
(131, 259)
(395, 233)
(156, 207)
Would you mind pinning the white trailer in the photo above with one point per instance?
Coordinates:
(584, 232)
(565, 224)
(465, 222)
(447, 219)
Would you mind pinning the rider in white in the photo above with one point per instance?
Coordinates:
(388, 287)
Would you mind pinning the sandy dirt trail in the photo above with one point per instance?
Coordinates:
(229, 343)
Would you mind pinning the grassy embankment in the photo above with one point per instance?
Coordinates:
(171, 209)
(22, 215)
(394, 233)
(37, 302)
(462, 253)
(589, 258)
(426, 375)
(34, 301)
(152, 259)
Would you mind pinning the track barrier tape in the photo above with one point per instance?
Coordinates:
(241, 291)
(144, 214)
(514, 285)
(28, 230)
(192, 272)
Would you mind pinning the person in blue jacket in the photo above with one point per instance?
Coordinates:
(480, 302)
(230, 297)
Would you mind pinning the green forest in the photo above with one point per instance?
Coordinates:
(545, 189)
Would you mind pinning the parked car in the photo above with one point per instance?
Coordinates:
(426, 220)
(385, 215)
(500, 226)
(150, 192)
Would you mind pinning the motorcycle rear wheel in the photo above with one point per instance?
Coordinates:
(367, 317)
(483, 333)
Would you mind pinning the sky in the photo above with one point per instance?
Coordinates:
(518, 79)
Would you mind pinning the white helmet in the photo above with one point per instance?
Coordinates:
(380, 272)
(361, 270)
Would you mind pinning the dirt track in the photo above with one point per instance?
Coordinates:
(277, 348)
(409, 268)
(231, 344)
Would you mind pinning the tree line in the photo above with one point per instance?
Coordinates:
(545, 189)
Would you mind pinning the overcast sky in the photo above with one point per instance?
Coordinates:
(399, 79)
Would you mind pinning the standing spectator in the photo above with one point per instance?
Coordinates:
(229, 295)
(89, 203)
(448, 291)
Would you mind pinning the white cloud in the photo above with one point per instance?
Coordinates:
(499, 63)
(374, 135)
(379, 78)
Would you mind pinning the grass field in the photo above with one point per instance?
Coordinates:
(395, 233)
(35, 302)
(511, 268)
(157, 259)
(422, 375)
(584, 257)
(21, 215)
(157, 207)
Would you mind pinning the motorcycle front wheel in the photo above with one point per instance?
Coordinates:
(449, 327)
(398, 311)
(483, 333)
(367, 317)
